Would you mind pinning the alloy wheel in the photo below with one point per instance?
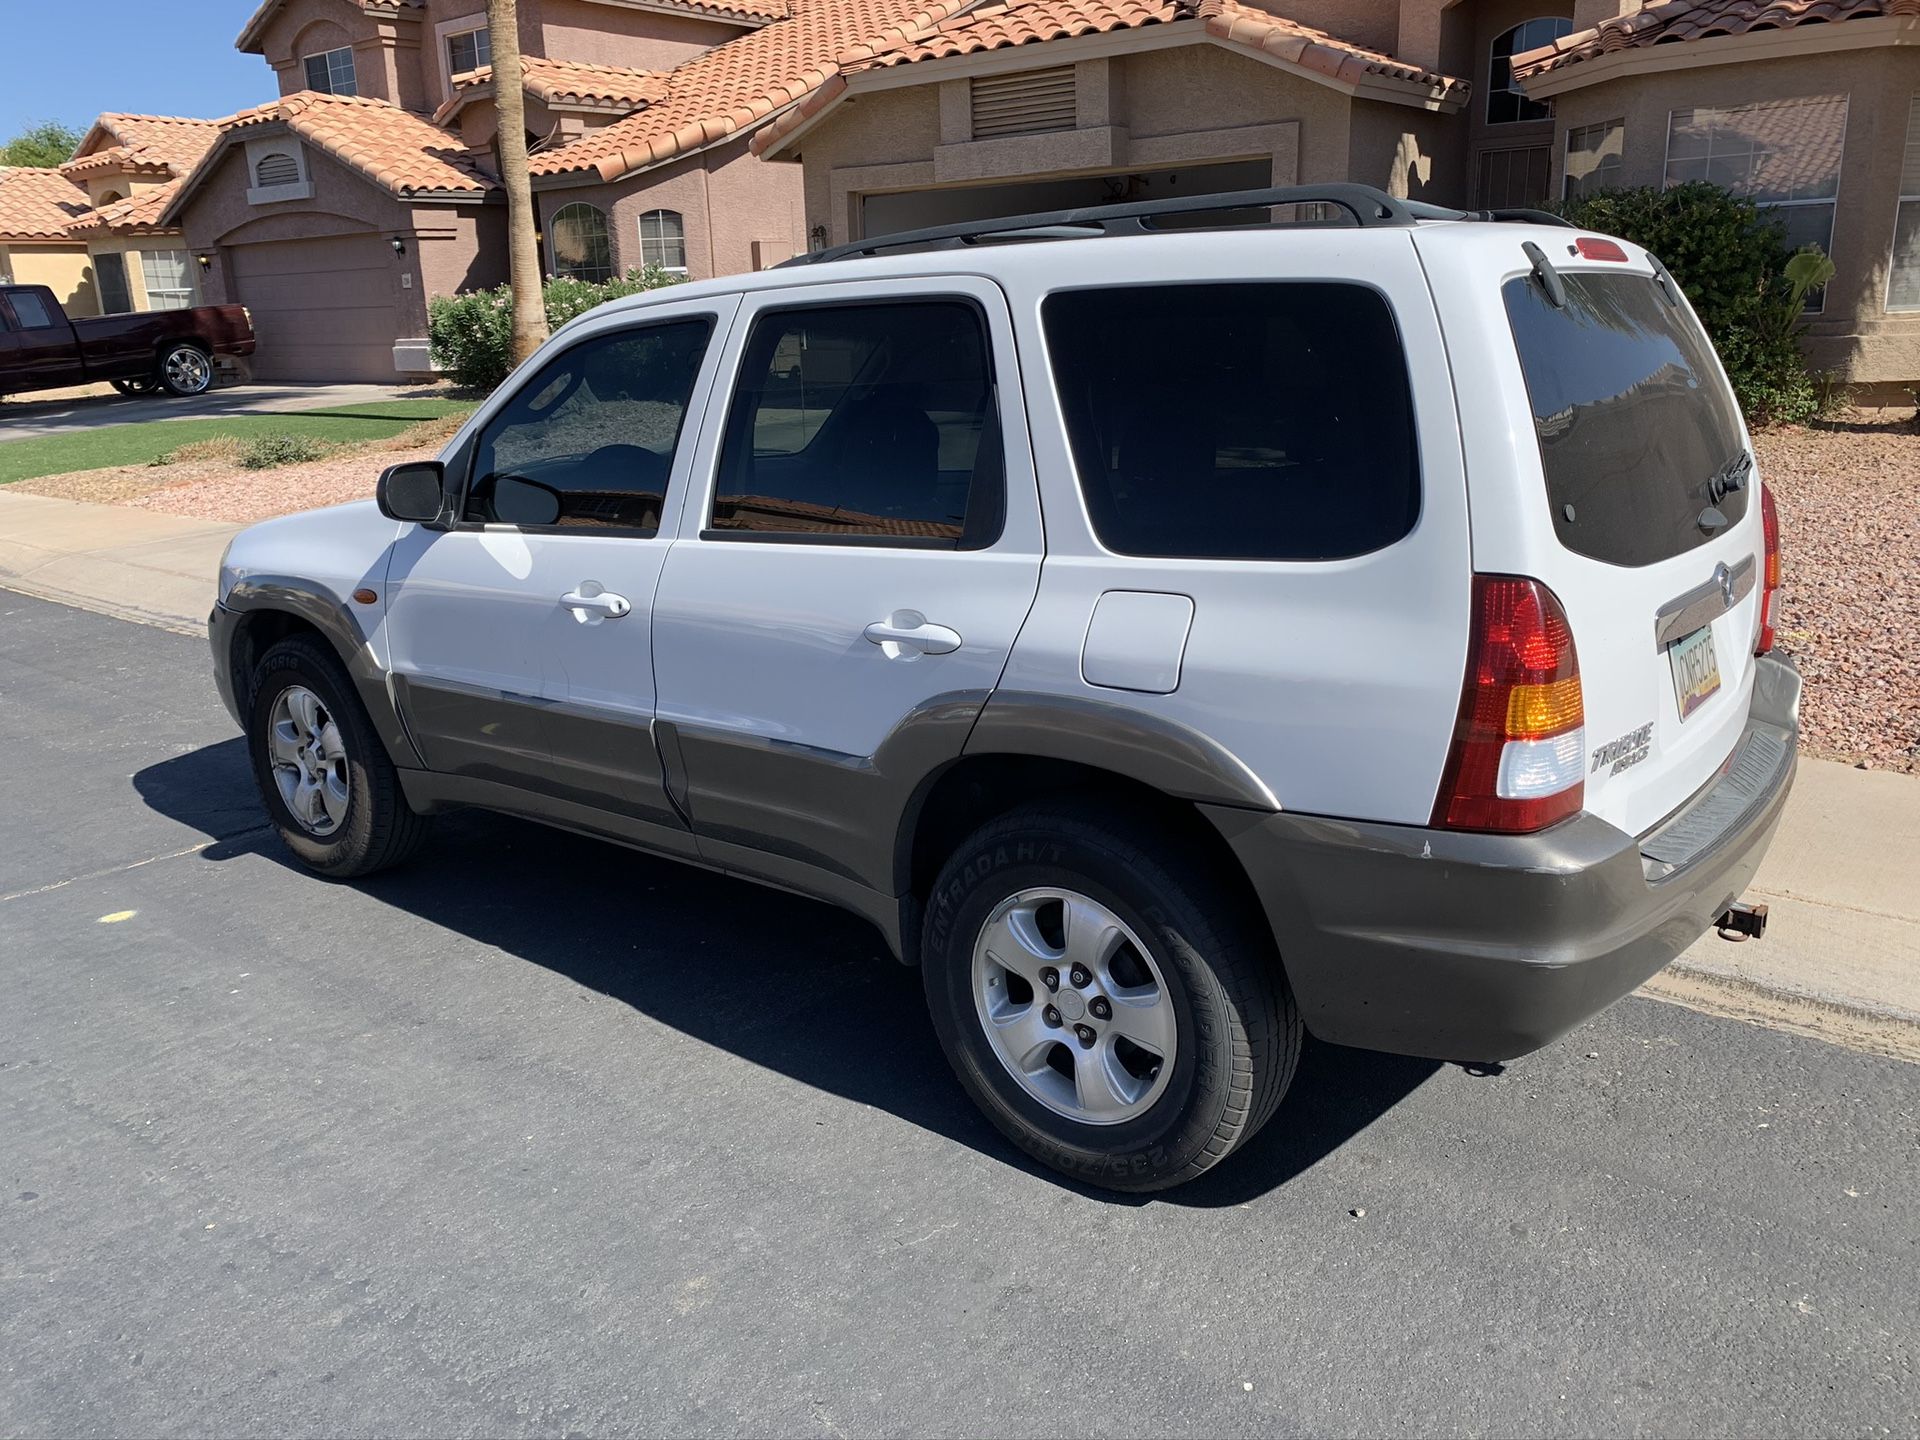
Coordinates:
(309, 760)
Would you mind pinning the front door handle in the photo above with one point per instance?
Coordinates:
(907, 634)
(590, 603)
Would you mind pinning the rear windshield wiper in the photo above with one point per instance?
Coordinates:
(1730, 477)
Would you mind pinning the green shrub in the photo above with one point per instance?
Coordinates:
(1733, 262)
(269, 451)
(472, 334)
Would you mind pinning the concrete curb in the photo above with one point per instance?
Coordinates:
(1842, 955)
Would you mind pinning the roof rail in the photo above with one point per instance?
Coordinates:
(1368, 207)
(1512, 216)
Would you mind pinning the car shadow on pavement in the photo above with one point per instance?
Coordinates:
(785, 982)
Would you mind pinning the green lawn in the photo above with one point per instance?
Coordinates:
(95, 449)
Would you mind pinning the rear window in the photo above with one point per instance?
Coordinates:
(1633, 416)
(1263, 421)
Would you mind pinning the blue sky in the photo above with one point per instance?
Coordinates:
(70, 59)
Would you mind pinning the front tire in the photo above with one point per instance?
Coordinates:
(328, 784)
(186, 370)
(1116, 1010)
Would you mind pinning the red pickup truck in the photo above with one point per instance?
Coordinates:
(42, 348)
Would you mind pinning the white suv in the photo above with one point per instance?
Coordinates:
(1172, 639)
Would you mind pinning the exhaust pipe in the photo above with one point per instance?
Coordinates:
(1742, 921)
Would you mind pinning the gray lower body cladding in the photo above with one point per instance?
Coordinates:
(1484, 947)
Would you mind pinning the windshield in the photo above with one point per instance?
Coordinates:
(1639, 433)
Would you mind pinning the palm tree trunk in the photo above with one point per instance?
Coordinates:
(523, 249)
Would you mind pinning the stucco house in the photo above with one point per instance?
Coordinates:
(130, 166)
(37, 204)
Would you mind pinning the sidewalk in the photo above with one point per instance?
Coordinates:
(1842, 881)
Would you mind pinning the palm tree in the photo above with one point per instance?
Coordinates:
(523, 250)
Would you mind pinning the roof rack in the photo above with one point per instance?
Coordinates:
(1367, 206)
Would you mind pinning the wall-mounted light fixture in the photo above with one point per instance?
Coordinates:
(399, 244)
(206, 261)
(818, 235)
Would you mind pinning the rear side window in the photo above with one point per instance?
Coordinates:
(1633, 416)
(868, 423)
(31, 311)
(1263, 421)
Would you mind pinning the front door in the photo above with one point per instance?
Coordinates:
(851, 576)
(520, 637)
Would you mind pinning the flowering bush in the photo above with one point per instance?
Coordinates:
(472, 334)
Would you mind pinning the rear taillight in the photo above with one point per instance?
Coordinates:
(1770, 573)
(1520, 741)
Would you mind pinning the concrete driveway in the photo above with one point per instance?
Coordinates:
(27, 418)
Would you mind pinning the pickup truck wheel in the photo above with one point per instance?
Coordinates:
(1112, 1007)
(186, 370)
(136, 387)
(330, 788)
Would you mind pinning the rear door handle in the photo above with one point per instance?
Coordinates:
(591, 601)
(907, 634)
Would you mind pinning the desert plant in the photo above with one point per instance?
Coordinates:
(266, 452)
(472, 334)
(1732, 260)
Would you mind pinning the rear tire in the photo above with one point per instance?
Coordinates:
(1133, 1047)
(327, 782)
(185, 369)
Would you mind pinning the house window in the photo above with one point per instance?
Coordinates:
(1903, 279)
(582, 249)
(1505, 103)
(468, 51)
(663, 240)
(169, 281)
(276, 169)
(1782, 154)
(111, 268)
(1593, 158)
(331, 72)
(1030, 103)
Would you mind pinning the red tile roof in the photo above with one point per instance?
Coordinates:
(1029, 22)
(138, 214)
(116, 159)
(404, 152)
(733, 87)
(1673, 21)
(38, 203)
(178, 141)
(564, 82)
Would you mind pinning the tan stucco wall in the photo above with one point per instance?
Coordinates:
(132, 247)
(1137, 113)
(1854, 335)
(1415, 154)
(614, 35)
(727, 200)
(64, 269)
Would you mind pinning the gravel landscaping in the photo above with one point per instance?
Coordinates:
(1849, 497)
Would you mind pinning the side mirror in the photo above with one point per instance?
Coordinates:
(416, 492)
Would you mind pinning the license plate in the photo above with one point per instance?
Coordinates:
(1696, 670)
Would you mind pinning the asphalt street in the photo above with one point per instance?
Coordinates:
(539, 1136)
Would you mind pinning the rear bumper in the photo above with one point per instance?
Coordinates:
(1484, 947)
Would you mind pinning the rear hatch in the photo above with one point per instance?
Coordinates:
(1626, 483)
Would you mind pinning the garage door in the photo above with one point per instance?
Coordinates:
(322, 309)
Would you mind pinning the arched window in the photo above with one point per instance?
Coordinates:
(276, 168)
(663, 240)
(1504, 103)
(581, 247)
(110, 197)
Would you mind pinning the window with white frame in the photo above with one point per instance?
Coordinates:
(331, 72)
(1505, 103)
(468, 50)
(1783, 154)
(1593, 158)
(581, 246)
(169, 280)
(1903, 275)
(663, 241)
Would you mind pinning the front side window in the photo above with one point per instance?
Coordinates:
(169, 282)
(1633, 415)
(331, 72)
(1903, 276)
(582, 249)
(1593, 158)
(469, 51)
(115, 298)
(1782, 154)
(873, 421)
(1505, 102)
(663, 240)
(588, 442)
(1254, 421)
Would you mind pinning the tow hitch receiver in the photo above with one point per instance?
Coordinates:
(1742, 922)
